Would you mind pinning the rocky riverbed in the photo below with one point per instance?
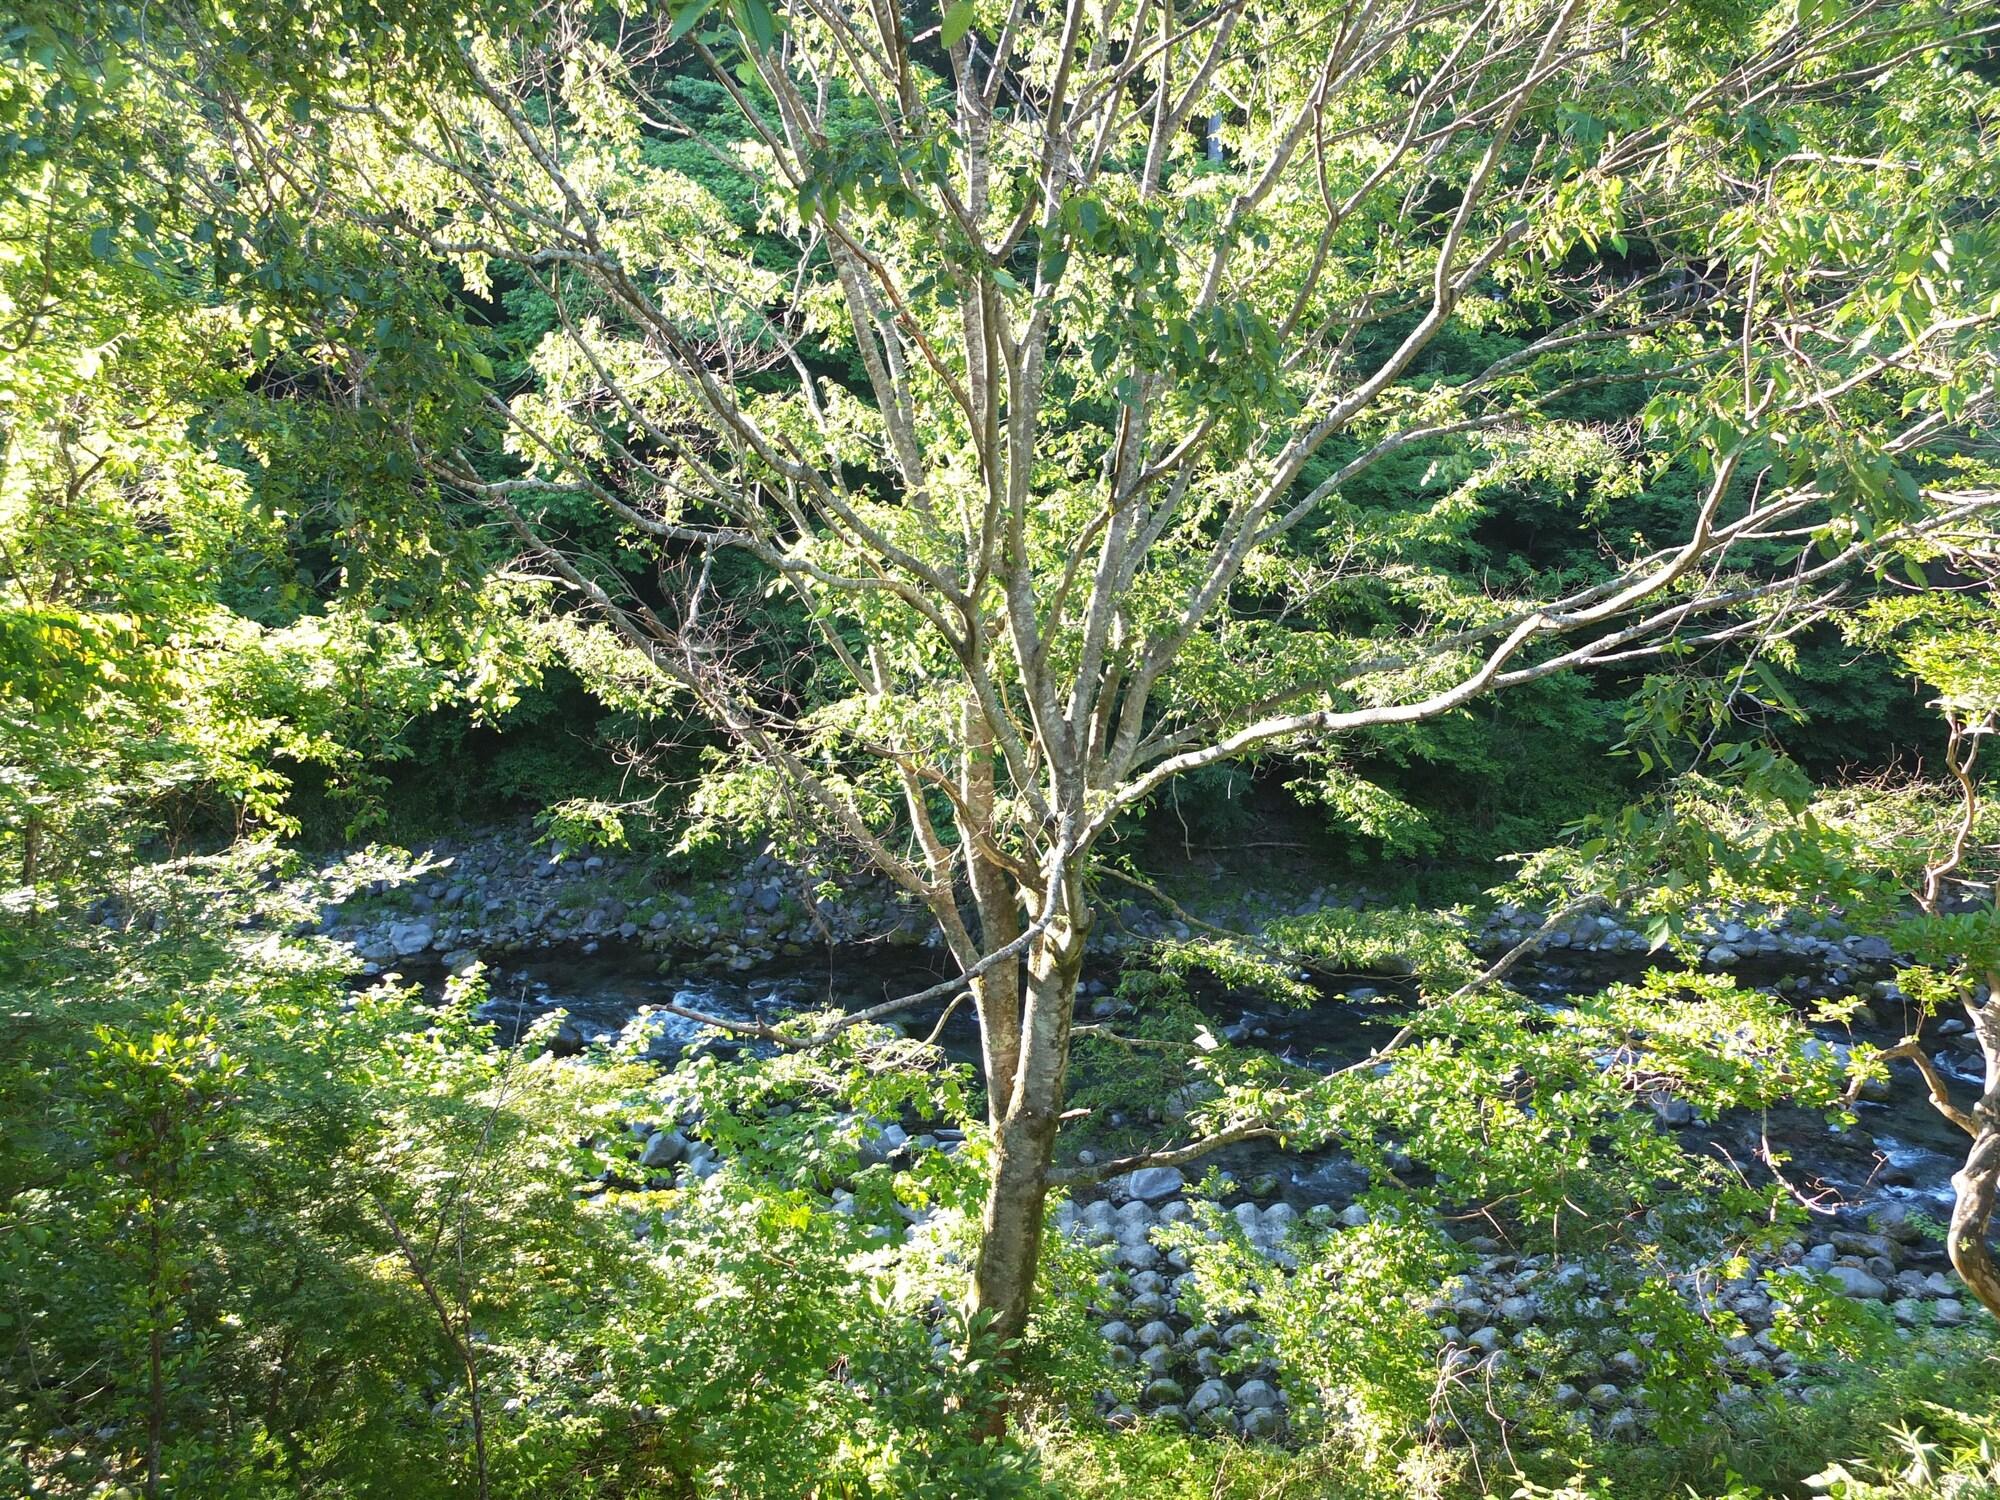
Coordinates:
(1511, 1321)
(497, 893)
(602, 939)
(1508, 1318)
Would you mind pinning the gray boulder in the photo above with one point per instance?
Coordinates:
(1155, 1184)
(884, 1143)
(1853, 1242)
(1209, 1395)
(1858, 1284)
(1672, 1111)
(408, 939)
(1261, 1422)
(663, 1149)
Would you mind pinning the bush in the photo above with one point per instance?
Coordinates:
(269, 1233)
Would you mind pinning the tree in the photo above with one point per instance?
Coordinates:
(168, 653)
(1947, 641)
(1911, 861)
(115, 518)
(1096, 316)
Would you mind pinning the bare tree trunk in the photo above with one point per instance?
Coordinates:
(997, 992)
(1010, 1247)
(1978, 1186)
(457, 1329)
(1003, 1278)
(1977, 1183)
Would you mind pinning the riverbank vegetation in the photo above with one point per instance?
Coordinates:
(1227, 752)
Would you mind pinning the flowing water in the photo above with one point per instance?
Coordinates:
(1900, 1150)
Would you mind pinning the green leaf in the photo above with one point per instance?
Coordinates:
(760, 23)
(688, 17)
(957, 21)
(1776, 688)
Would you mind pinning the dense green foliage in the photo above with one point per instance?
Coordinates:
(186, 342)
(328, 480)
(308, 1238)
(313, 1237)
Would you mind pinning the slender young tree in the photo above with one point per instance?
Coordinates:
(1087, 323)
(1976, 1184)
(1946, 639)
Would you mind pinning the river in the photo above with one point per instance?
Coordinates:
(1900, 1150)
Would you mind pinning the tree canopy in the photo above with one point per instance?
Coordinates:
(930, 439)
